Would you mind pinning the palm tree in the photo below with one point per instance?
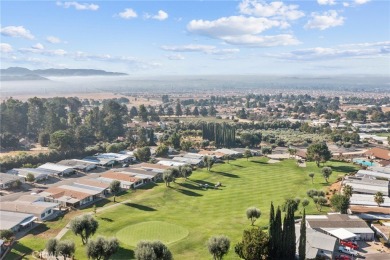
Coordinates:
(348, 190)
(378, 198)
(311, 175)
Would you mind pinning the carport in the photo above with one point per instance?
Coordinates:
(342, 234)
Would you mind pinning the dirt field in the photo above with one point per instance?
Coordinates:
(38, 149)
(96, 96)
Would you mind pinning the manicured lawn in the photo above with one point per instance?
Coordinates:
(205, 213)
(151, 230)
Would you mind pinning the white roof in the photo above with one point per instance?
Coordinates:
(369, 189)
(342, 233)
(12, 219)
(368, 200)
(187, 160)
(374, 174)
(55, 167)
(34, 171)
(380, 169)
(227, 151)
(171, 163)
(315, 241)
(85, 189)
(128, 183)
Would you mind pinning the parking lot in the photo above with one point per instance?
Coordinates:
(373, 250)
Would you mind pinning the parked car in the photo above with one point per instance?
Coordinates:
(348, 250)
(350, 244)
(343, 257)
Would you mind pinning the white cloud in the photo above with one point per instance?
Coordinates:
(5, 48)
(53, 39)
(346, 4)
(361, 2)
(273, 9)
(325, 20)
(175, 57)
(232, 26)
(128, 13)
(161, 16)
(17, 31)
(188, 48)
(262, 41)
(326, 2)
(341, 51)
(38, 46)
(207, 49)
(79, 6)
(38, 49)
(241, 30)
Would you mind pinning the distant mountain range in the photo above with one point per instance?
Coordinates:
(19, 73)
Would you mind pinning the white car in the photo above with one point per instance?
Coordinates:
(348, 250)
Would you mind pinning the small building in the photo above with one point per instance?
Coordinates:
(378, 153)
(372, 174)
(171, 163)
(39, 174)
(100, 161)
(149, 175)
(78, 165)
(127, 181)
(15, 221)
(189, 161)
(367, 200)
(367, 185)
(8, 180)
(382, 230)
(380, 169)
(32, 205)
(57, 168)
(317, 244)
(340, 225)
(231, 152)
(151, 167)
(370, 212)
(75, 195)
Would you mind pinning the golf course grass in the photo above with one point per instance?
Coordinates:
(151, 230)
(207, 212)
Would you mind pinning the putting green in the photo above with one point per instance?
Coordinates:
(151, 230)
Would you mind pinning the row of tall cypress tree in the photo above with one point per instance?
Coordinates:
(282, 235)
(224, 135)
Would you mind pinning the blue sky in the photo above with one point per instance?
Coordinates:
(199, 37)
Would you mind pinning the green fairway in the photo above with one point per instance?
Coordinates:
(207, 212)
(151, 230)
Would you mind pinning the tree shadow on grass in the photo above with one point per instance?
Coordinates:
(147, 186)
(107, 219)
(225, 174)
(140, 207)
(344, 169)
(187, 192)
(237, 165)
(19, 251)
(124, 253)
(200, 182)
(260, 162)
(190, 186)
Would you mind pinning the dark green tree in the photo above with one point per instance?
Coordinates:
(152, 250)
(84, 226)
(143, 154)
(253, 214)
(115, 187)
(102, 248)
(319, 153)
(254, 245)
(302, 238)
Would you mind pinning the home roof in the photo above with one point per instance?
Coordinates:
(315, 241)
(57, 193)
(76, 163)
(379, 153)
(92, 183)
(335, 221)
(26, 207)
(342, 233)
(7, 177)
(119, 176)
(369, 209)
(152, 166)
(12, 219)
(55, 167)
(367, 200)
(365, 173)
